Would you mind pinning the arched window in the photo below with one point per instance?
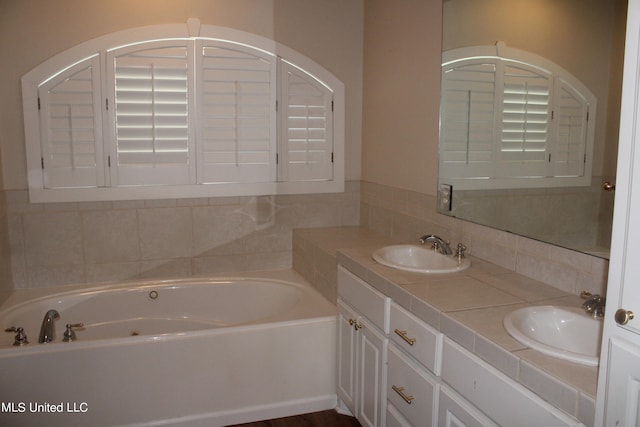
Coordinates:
(181, 111)
(511, 119)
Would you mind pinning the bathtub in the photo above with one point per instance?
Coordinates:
(192, 352)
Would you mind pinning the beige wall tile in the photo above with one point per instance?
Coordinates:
(40, 276)
(165, 233)
(220, 229)
(53, 239)
(110, 236)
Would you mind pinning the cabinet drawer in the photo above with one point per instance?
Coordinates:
(411, 389)
(373, 304)
(414, 336)
(394, 418)
(454, 411)
(500, 397)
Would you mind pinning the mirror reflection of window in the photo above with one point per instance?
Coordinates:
(512, 119)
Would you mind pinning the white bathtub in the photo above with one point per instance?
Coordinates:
(195, 352)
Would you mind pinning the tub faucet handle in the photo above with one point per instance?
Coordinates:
(70, 334)
(21, 337)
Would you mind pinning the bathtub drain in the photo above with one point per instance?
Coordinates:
(153, 294)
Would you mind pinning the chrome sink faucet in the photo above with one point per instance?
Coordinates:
(47, 330)
(594, 304)
(439, 245)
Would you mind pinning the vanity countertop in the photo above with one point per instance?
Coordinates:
(469, 307)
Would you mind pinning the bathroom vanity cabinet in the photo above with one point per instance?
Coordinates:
(394, 370)
(363, 326)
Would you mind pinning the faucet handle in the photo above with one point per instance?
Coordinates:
(70, 334)
(21, 337)
(460, 251)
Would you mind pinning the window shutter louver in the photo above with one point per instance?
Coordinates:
(307, 127)
(237, 114)
(72, 127)
(153, 143)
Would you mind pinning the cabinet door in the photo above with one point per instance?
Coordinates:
(347, 358)
(372, 376)
(623, 384)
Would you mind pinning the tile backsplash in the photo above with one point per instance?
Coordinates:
(405, 215)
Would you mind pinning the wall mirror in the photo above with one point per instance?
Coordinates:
(582, 38)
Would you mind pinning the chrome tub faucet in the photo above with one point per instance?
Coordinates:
(47, 330)
(594, 304)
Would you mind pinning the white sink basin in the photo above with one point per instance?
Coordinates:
(418, 259)
(564, 332)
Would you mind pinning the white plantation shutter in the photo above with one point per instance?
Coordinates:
(571, 115)
(170, 112)
(307, 142)
(512, 122)
(71, 124)
(236, 86)
(526, 112)
(153, 144)
(468, 119)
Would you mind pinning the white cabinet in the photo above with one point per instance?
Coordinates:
(347, 353)
(454, 411)
(623, 384)
(371, 356)
(395, 370)
(411, 389)
(416, 338)
(363, 322)
(413, 365)
(502, 399)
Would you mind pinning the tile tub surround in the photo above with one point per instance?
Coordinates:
(468, 307)
(54, 244)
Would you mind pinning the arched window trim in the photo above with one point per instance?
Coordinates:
(102, 48)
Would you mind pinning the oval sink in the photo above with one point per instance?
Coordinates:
(564, 332)
(419, 259)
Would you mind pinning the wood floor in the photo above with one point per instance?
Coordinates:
(328, 418)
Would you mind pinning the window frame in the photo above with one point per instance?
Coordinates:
(193, 32)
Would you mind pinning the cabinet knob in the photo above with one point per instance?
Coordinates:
(355, 324)
(623, 316)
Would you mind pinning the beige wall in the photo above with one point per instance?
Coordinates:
(328, 31)
(401, 93)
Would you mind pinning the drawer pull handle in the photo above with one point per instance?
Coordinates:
(400, 391)
(403, 335)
